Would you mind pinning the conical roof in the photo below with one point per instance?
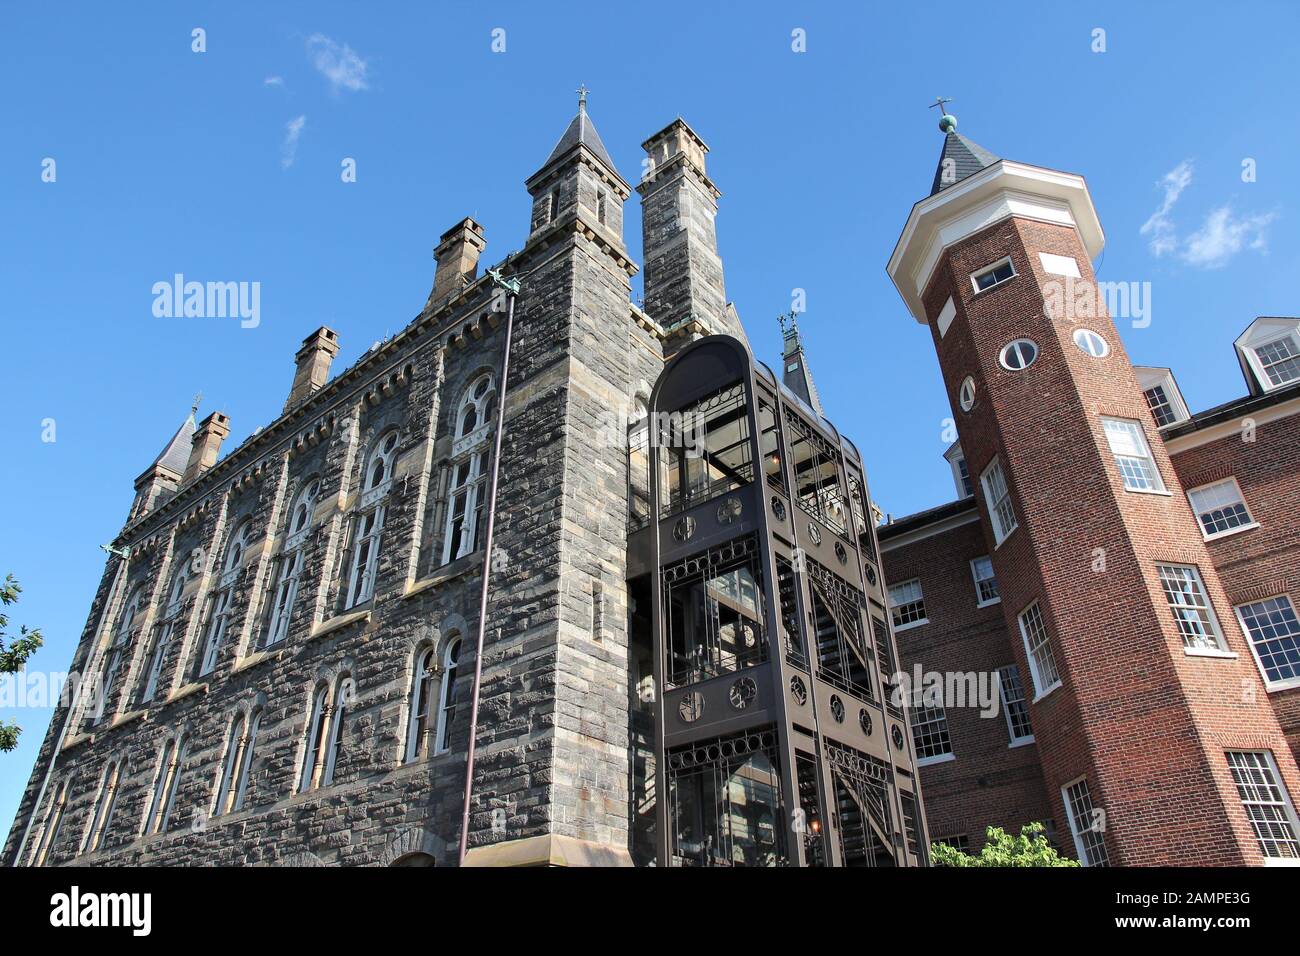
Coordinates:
(959, 160)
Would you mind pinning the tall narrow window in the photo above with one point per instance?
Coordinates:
(116, 656)
(288, 567)
(930, 733)
(219, 604)
(230, 766)
(1197, 623)
(601, 198)
(1267, 804)
(53, 823)
(105, 803)
(704, 449)
(344, 693)
(770, 444)
(164, 630)
(1086, 823)
(316, 721)
(1014, 705)
(471, 454)
(166, 785)
(1220, 508)
(815, 473)
(368, 525)
(246, 765)
(1274, 636)
(997, 498)
(986, 584)
(907, 602)
(1038, 648)
(417, 727)
(447, 699)
(1132, 455)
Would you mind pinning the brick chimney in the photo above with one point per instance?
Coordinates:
(457, 256)
(314, 360)
(207, 445)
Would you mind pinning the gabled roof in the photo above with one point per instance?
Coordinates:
(962, 157)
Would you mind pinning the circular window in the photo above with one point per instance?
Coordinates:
(691, 707)
(798, 690)
(743, 692)
(1092, 343)
(1020, 354)
(837, 708)
(966, 394)
(864, 721)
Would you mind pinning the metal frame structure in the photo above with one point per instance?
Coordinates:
(777, 738)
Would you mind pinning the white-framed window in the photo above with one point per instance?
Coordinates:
(1280, 360)
(289, 565)
(368, 525)
(996, 274)
(467, 479)
(230, 767)
(1274, 635)
(997, 498)
(1269, 351)
(1132, 454)
(219, 605)
(966, 394)
(1162, 395)
(447, 696)
(345, 693)
(116, 655)
(960, 470)
(101, 820)
(1087, 823)
(1038, 650)
(164, 631)
(420, 707)
(1091, 343)
(1014, 706)
(930, 733)
(986, 583)
(1197, 623)
(166, 783)
(1267, 804)
(317, 719)
(1162, 408)
(907, 604)
(1018, 355)
(1220, 508)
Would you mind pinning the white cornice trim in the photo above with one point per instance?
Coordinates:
(941, 526)
(1182, 443)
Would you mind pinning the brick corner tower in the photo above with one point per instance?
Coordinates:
(1156, 737)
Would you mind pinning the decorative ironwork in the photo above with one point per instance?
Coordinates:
(843, 659)
(684, 529)
(778, 508)
(862, 785)
(691, 707)
(798, 690)
(729, 510)
(864, 721)
(840, 554)
(742, 693)
(897, 735)
(814, 533)
(837, 708)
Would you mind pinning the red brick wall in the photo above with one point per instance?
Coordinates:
(989, 783)
(1260, 562)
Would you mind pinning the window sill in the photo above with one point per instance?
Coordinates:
(1158, 492)
(1208, 652)
(449, 571)
(127, 718)
(910, 624)
(941, 758)
(1277, 861)
(186, 691)
(252, 660)
(1230, 532)
(1046, 692)
(1021, 742)
(1003, 540)
(1290, 683)
(989, 603)
(335, 623)
(76, 741)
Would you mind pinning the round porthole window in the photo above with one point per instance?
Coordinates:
(966, 394)
(1092, 343)
(1019, 355)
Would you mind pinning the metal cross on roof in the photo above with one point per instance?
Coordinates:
(582, 92)
(939, 101)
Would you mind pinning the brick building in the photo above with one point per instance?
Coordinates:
(281, 650)
(1127, 571)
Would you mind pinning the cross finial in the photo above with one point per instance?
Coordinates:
(582, 92)
(792, 317)
(939, 101)
(198, 397)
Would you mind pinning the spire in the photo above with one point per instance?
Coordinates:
(177, 453)
(794, 362)
(960, 157)
(581, 132)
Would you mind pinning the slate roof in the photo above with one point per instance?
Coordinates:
(967, 159)
(177, 453)
(581, 131)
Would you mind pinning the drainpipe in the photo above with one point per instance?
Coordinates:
(511, 286)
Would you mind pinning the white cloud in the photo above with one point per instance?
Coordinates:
(1160, 227)
(338, 63)
(1222, 235)
(289, 148)
(273, 81)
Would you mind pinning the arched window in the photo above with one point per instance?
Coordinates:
(164, 631)
(230, 766)
(53, 822)
(288, 569)
(116, 656)
(369, 521)
(315, 737)
(246, 765)
(105, 803)
(467, 484)
(166, 785)
(219, 605)
(422, 683)
(447, 696)
(344, 694)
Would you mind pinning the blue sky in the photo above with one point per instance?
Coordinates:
(169, 161)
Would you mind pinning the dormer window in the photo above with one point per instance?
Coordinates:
(1162, 395)
(996, 274)
(1270, 353)
(960, 471)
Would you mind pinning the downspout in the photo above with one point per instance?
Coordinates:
(511, 286)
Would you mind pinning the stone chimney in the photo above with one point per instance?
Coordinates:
(207, 445)
(457, 255)
(314, 360)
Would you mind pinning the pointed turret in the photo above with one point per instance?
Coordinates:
(797, 375)
(960, 157)
(165, 474)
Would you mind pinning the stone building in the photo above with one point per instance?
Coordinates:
(282, 646)
(1126, 570)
